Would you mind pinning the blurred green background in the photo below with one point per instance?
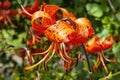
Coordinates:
(105, 17)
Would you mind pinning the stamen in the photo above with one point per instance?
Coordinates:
(97, 64)
(98, 61)
(61, 54)
(9, 20)
(69, 64)
(29, 56)
(48, 50)
(52, 53)
(64, 50)
(110, 60)
(42, 60)
(101, 59)
(33, 37)
(25, 10)
(38, 75)
(5, 22)
(44, 65)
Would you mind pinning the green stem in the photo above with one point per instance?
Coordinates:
(88, 62)
(111, 5)
(110, 76)
(113, 9)
(117, 73)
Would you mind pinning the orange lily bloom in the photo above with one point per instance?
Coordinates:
(95, 45)
(61, 34)
(61, 29)
(6, 13)
(46, 16)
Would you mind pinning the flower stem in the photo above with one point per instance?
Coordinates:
(88, 62)
(117, 73)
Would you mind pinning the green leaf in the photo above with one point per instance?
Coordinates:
(103, 33)
(118, 16)
(86, 65)
(107, 19)
(98, 13)
(116, 50)
(105, 8)
(94, 9)
(107, 77)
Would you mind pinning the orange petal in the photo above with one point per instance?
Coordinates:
(86, 22)
(40, 21)
(35, 6)
(59, 32)
(6, 4)
(107, 43)
(0, 4)
(94, 45)
(51, 9)
(66, 14)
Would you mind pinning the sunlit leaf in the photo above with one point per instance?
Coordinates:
(94, 10)
(86, 65)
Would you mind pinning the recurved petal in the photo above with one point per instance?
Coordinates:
(107, 43)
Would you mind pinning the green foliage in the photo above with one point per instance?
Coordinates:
(94, 10)
(105, 17)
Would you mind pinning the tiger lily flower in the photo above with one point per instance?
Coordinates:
(95, 45)
(60, 34)
(6, 13)
(61, 29)
(43, 17)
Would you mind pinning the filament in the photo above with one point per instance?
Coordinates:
(64, 50)
(62, 56)
(25, 10)
(50, 48)
(110, 60)
(101, 58)
(43, 59)
(10, 22)
(52, 54)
